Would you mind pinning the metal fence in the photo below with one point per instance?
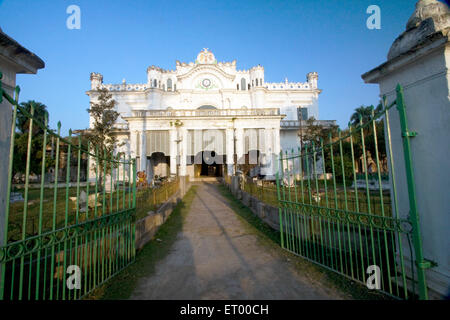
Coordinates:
(335, 223)
(150, 198)
(63, 242)
(265, 191)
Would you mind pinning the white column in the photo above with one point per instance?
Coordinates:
(173, 151)
(183, 151)
(143, 153)
(276, 141)
(133, 147)
(150, 174)
(230, 151)
(273, 157)
(276, 148)
(133, 143)
(266, 152)
(239, 134)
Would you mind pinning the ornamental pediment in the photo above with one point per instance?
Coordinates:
(206, 68)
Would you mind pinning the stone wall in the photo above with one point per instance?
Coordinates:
(265, 212)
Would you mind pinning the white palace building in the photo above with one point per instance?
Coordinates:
(205, 117)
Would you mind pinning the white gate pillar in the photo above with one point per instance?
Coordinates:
(418, 61)
(14, 59)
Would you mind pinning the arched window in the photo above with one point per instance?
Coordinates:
(237, 86)
(155, 84)
(243, 84)
(253, 83)
(169, 84)
(256, 82)
(260, 82)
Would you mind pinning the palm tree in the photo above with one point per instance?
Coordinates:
(23, 121)
(365, 112)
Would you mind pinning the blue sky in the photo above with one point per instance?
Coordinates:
(120, 39)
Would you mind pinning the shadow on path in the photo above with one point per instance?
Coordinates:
(217, 256)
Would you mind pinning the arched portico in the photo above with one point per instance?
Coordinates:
(206, 142)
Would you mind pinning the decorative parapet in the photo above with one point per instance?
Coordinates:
(310, 84)
(296, 124)
(206, 113)
(159, 69)
(156, 68)
(268, 85)
(227, 64)
(126, 87)
(288, 86)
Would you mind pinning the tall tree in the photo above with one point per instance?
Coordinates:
(101, 135)
(313, 131)
(369, 136)
(21, 138)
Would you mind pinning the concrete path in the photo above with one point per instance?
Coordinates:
(217, 256)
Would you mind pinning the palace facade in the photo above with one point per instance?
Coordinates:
(206, 117)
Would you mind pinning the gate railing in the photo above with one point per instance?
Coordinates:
(149, 199)
(331, 219)
(63, 242)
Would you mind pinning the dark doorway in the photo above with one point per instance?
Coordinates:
(211, 170)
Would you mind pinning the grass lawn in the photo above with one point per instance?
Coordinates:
(146, 200)
(347, 200)
(57, 213)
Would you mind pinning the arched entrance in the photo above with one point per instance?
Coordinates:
(208, 164)
(158, 166)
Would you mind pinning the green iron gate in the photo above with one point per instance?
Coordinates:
(344, 220)
(56, 244)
